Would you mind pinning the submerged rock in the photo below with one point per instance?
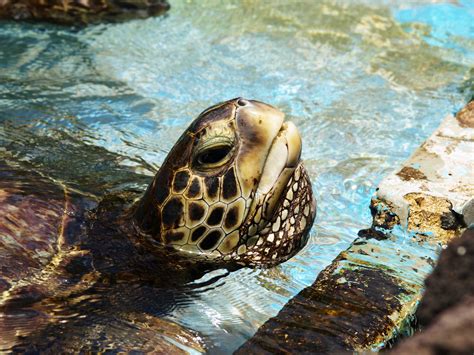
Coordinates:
(83, 12)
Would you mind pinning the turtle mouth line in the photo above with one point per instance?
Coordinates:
(284, 153)
(288, 129)
(280, 165)
(276, 238)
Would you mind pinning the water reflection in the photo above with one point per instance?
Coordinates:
(365, 83)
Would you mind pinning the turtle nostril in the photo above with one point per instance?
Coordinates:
(242, 102)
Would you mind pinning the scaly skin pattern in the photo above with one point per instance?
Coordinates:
(31, 216)
(80, 11)
(254, 206)
(286, 232)
(37, 215)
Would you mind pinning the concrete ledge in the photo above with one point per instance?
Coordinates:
(369, 293)
(435, 187)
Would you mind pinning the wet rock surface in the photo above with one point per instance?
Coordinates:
(451, 281)
(80, 12)
(446, 311)
(342, 311)
(363, 299)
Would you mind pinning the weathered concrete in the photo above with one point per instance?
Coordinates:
(80, 11)
(435, 185)
(369, 293)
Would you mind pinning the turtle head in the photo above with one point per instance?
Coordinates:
(232, 188)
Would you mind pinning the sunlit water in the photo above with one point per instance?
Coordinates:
(365, 83)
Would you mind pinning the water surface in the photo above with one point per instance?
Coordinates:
(365, 83)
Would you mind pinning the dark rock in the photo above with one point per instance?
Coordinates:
(450, 333)
(451, 220)
(446, 310)
(373, 233)
(451, 280)
(465, 117)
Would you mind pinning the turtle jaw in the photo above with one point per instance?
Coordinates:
(283, 208)
(286, 232)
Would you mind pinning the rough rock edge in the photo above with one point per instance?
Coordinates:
(447, 308)
(426, 215)
(433, 175)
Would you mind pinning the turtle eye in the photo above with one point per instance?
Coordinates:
(213, 155)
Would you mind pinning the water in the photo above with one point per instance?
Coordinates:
(365, 83)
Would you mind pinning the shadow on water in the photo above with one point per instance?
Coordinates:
(65, 157)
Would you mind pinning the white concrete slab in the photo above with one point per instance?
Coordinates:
(441, 168)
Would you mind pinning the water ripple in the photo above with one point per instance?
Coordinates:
(366, 83)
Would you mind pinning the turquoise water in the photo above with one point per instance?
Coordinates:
(365, 83)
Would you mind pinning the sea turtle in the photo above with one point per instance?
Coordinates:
(80, 11)
(91, 275)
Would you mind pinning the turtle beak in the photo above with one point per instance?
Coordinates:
(282, 159)
(284, 154)
(258, 124)
(272, 171)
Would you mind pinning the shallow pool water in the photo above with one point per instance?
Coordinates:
(365, 82)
